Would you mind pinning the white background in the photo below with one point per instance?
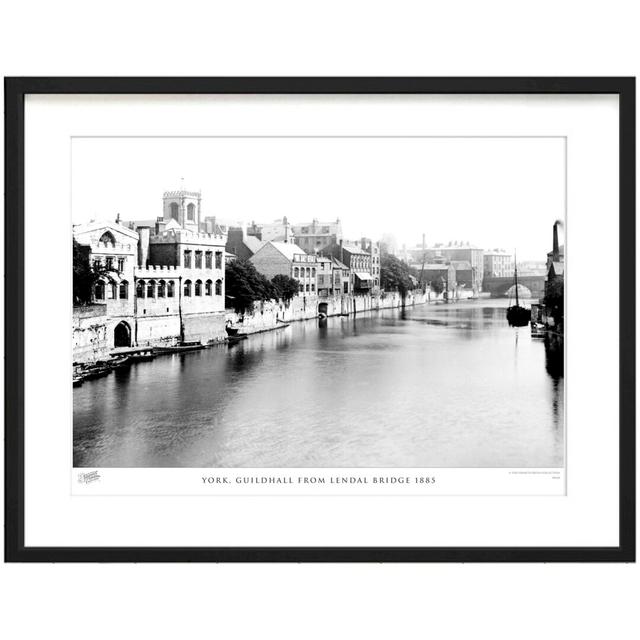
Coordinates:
(329, 38)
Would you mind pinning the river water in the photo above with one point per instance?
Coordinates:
(438, 385)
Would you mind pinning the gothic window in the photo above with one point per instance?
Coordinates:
(107, 238)
(112, 291)
(175, 210)
(161, 288)
(208, 259)
(170, 289)
(198, 259)
(198, 287)
(207, 288)
(218, 287)
(187, 259)
(218, 259)
(109, 263)
(191, 211)
(187, 288)
(140, 289)
(124, 290)
(99, 290)
(151, 289)
(120, 264)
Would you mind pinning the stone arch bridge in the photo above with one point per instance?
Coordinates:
(498, 287)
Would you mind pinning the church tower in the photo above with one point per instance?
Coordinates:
(183, 207)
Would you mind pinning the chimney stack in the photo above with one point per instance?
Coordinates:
(556, 247)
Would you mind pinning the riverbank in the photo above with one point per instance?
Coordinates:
(93, 356)
(269, 316)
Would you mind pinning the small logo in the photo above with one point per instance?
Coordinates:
(87, 478)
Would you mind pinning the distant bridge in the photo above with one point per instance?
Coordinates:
(498, 287)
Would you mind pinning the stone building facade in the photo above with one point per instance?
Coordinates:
(359, 259)
(166, 284)
(497, 264)
(458, 251)
(315, 236)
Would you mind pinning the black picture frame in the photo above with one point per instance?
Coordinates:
(15, 91)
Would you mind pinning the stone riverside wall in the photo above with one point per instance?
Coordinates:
(267, 315)
(89, 335)
(93, 330)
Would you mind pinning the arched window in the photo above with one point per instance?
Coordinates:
(301, 287)
(124, 290)
(191, 211)
(313, 272)
(98, 290)
(187, 288)
(208, 288)
(198, 287)
(296, 272)
(113, 291)
(107, 238)
(175, 210)
(151, 289)
(308, 272)
(218, 287)
(140, 289)
(161, 288)
(170, 288)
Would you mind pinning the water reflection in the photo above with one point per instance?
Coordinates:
(435, 385)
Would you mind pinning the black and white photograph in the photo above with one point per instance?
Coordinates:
(319, 301)
(322, 320)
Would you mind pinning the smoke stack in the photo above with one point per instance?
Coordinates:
(424, 243)
(556, 247)
(143, 245)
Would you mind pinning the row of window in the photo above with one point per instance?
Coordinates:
(151, 289)
(109, 263)
(306, 288)
(299, 272)
(208, 259)
(322, 230)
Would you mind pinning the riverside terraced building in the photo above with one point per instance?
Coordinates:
(165, 284)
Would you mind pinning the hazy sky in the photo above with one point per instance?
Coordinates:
(493, 192)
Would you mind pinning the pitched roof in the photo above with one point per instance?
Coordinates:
(353, 249)
(99, 225)
(287, 249)
(436, 267)
(252, 243)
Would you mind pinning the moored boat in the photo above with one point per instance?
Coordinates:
(179, 348)
(517, 315)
